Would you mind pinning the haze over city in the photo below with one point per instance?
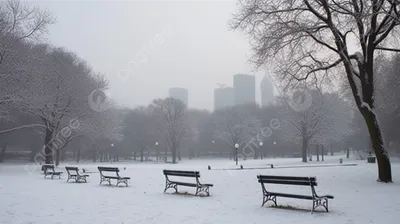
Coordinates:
(196, 51)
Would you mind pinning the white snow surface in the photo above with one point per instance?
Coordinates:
(26, 197)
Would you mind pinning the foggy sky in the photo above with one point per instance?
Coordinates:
(186, 44)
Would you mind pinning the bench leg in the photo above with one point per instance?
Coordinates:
(82, 178)
(170, 185)
(267, 197)
(205, 189)
(122, 181)
(105, 179)
(320, 202)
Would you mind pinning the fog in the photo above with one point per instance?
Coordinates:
(124, 94)
(197, 49)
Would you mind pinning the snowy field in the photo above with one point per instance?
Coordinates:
(26, 197)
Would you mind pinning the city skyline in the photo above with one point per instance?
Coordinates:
(224, 95)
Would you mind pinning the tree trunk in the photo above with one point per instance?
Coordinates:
(348, 153)
(141, 155)
(134, 155)
(331, 149)
(173, 153)
(317, 149)
(57, 157)
(94, 155)
(48, 152)
(322, 152)
(304, 151)
(33, 154)
(63, 154)
(116, 156)
(382, 156)
(3, 152)
(78, 154)
(94, 152)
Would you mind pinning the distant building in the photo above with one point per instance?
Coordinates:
(223, 98)
(244, 89)
(267, 92)
(180, 94)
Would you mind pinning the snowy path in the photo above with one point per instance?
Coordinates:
(235, 198)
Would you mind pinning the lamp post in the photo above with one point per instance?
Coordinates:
(260, 151)
(236, 153)
(112, 151)
(157, 153)
(274, 149)
(213, 148)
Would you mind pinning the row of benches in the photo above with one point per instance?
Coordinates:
(105, 176)
(73, 174)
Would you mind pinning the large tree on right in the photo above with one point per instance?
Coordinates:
(310, 40)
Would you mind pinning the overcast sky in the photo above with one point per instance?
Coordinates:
(146, 47)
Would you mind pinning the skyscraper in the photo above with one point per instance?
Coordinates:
(180, 94)
(223, 97)
(244, 89)
(267, 92)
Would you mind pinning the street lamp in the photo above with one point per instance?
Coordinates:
(112, 151)
(157, 155)
(274, 149)
(236, 149)
(261, 144)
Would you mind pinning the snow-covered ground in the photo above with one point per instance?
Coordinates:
(26, 197)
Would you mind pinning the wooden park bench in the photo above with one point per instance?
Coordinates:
(73, 174)
(194, 174)
(290, 180)
(108, 177)
(48, 170)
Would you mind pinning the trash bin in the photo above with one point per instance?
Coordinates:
(371, 159)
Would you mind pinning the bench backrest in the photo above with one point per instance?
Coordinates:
(70, 168)
(287, 180)
(108, 169)
(181, 173)
(46, 167)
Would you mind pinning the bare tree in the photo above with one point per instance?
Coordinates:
(236, 126)
(173, 112)
(140, 129)
(308, 39)
(326, 120)
(20, 26)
